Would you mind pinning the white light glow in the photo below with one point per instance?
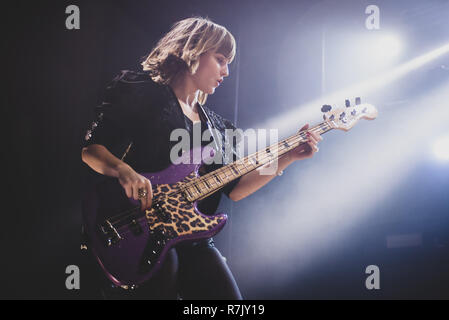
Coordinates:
(391, 44)
(335, 192)
(382, 49)
(441, 148)
(290, 120)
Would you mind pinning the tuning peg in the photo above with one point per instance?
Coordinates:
(326, 108)
(358, 101)
(347, 103)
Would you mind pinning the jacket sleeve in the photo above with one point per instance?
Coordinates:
(118, 115)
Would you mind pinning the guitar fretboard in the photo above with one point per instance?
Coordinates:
(211, 182)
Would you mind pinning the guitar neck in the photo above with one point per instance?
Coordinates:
(211, 182)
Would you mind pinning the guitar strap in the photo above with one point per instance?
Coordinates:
(126, 151)
(217, 142)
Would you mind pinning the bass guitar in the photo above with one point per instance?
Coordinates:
(131, 245)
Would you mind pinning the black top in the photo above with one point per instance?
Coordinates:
(138, 110)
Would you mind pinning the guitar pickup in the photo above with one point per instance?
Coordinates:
(109, 234)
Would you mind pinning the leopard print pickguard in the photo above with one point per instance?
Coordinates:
(184, 218)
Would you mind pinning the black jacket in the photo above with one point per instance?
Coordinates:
(138, 110)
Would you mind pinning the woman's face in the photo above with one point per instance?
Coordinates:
(213, 67)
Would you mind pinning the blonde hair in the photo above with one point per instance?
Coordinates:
(179, 50)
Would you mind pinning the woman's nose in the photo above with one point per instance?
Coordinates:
(225, 71)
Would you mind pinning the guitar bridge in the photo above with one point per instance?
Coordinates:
(109, 233)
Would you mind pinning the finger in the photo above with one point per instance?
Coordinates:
(126, 187)
(143, 203)
(149, 194)
(316, 135)
(313, 147)
(305, 127)
(143, 187)
(129, 191)
(135, 189)
(143, 200)
(313, 144)
(311, 138)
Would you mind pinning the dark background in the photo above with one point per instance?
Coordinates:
(54, 78)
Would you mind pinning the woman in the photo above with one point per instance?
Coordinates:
(140, 111)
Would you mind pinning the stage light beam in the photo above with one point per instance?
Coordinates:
(441, 148)
(289, 120)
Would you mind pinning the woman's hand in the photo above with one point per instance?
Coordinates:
(306, 150)
(131, 181)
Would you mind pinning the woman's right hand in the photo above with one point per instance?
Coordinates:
(131, 181)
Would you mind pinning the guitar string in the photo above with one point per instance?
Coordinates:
(255, 155)
(114, 223)
(177, 192)
(280, 146)
(224, 170)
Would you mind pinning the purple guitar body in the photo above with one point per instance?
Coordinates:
(131, 245)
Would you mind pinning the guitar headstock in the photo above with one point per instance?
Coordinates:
(345, 118)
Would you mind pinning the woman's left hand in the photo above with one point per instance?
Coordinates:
(306, 150)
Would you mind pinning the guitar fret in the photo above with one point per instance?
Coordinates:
(192, 190)
(323, 127)
(253, 160)
(229, 177)
(188, 192)
(245, 167)
(212, 182)
(222, 176)
(216, 177)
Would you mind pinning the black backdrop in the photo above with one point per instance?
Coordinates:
(54, 77)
